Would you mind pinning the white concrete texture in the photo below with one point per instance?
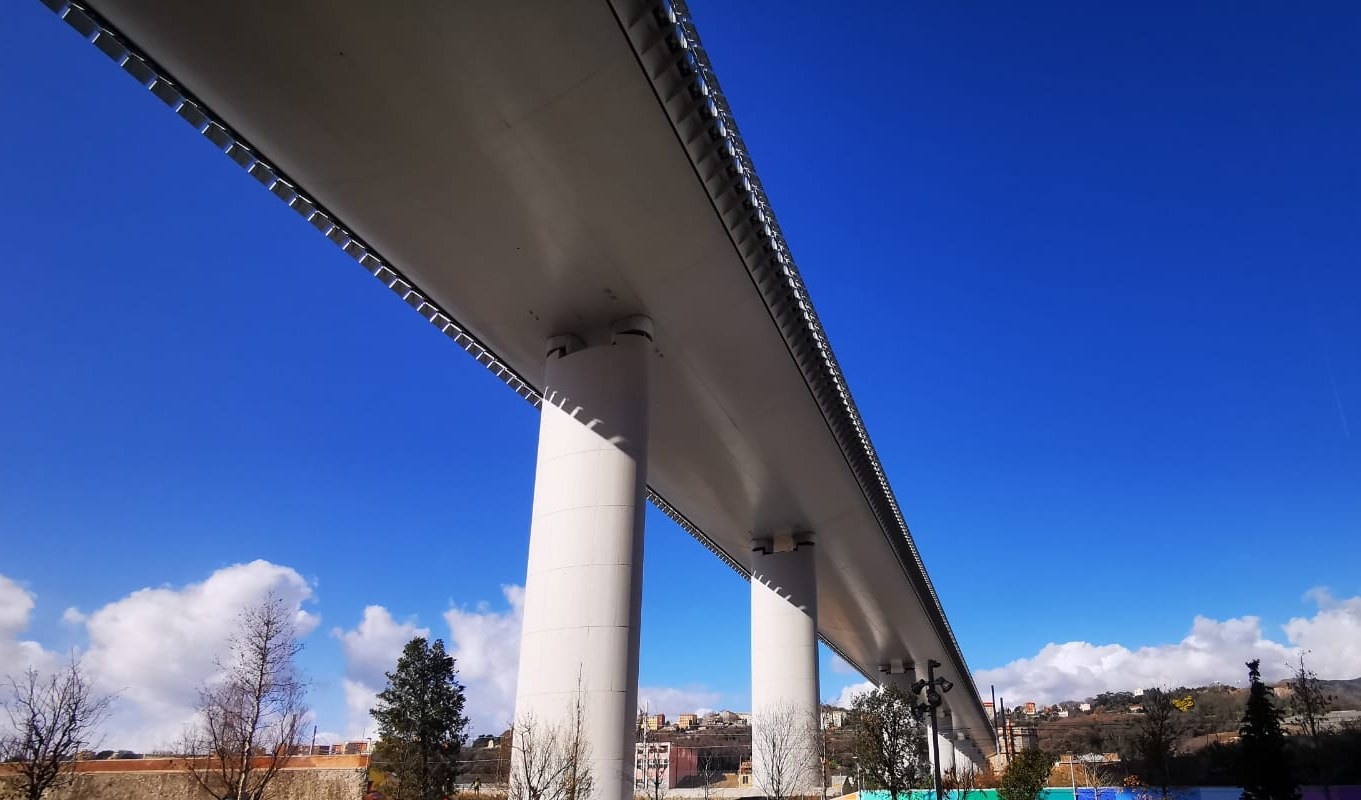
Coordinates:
(784, 666)
(945, 736)
(583, 587)
(900, 673)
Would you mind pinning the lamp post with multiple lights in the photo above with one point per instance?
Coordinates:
(934, 688)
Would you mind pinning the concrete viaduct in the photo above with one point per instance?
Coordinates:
(560, 188)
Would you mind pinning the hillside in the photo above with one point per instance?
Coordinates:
(1108, 726)
(1347, 694)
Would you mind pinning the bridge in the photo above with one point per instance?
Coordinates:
(561, 189)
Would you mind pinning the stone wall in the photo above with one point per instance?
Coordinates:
(166, 779)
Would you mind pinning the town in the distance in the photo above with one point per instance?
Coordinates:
(1147, 742)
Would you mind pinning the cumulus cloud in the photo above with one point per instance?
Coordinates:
(16, 605)
(1214, 651)
(846, 698)
(155, 647)
(371, 650)
(1332, 636)
(673, 701)
(486, 642)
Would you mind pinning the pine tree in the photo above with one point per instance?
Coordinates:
(1266, 767)
(420, 722)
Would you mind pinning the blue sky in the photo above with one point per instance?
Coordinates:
(1092, 274)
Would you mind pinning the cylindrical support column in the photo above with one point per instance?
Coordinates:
(965, 757)
(946, 736)
(785, 718)
(578, 673)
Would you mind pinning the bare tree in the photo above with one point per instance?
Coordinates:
(963, 781)
(1311, 703)
(50, 720)
(784, 751)
(1094, 770)
(551, 762)
(656, 774)
(709, 773)
(1099, 773)
(249, 718)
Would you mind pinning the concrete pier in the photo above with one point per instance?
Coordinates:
(785, 712)
(583, 587)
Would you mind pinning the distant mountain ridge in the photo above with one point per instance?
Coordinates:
(1346, 693)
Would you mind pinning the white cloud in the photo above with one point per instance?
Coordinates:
(155, 647)
(371, 651)
(673, 701)
(1213, 651)
(848, 694)
(486, 643)
(16, 603)
(16, 655)
(840, 666)
(1332, 636)
(73, 616)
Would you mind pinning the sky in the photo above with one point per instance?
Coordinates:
(1091, 271)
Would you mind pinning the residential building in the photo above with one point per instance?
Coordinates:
(687, 722)
(1016, 738)
(662, 761)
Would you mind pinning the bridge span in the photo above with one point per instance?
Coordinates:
(560, 187)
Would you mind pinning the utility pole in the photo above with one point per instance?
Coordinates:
(934, 688)
(646, 755)
(1010, 725)
(996, 734)
(822, 720)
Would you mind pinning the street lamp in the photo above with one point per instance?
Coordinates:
(934, 687)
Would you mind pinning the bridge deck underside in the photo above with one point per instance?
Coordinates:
(515, 162)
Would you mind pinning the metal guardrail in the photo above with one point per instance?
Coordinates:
(667, 45)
